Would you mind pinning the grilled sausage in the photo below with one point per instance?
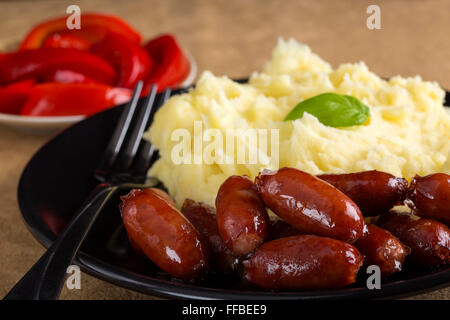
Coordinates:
(310, 205)
(281, 229)
(303, 262)
(429, 240)
(203, 217)
(134, 245)
(382, 248)
(241, 215)
(164, 234)
(429, 197)
(374, 192)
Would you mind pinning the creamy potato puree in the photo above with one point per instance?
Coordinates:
(407, 134)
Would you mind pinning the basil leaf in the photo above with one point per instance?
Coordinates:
(333, 110)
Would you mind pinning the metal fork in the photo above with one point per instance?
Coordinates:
(124, 164)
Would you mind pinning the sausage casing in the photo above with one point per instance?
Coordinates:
(241, 215)
(281, 229)
(310, 205)
(303, 262)
(203, 217)
(382, 248)
(164, 234)
(374, 192)
(429, 197)
(429, 240)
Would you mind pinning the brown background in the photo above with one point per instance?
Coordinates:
(232, 37)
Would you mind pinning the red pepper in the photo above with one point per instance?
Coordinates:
(131, 61)
(65, 76)
(57, 99)
(66, 41)
(22, 84)
(93, 28)
(172, 66)
(14, 96)
(35, 63)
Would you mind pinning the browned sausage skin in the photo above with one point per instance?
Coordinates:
(382, 248)
(203, 217)
(374, 192)
(281, 229)
(309, 204)
(241, 215)
(164, 234)
(303, 262)
(429, 240)
(429, 197)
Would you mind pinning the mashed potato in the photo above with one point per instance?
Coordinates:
(408, 132)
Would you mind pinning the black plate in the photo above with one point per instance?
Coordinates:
(59, 177)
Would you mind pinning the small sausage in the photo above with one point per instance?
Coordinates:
(203, 217)
(429, 197)
(134, 245)
(163, 195)
(429, 240)
(281, 229)
(241, 215)
(382, 248)
(303, 262)
(165, 236)
(310, 205)
(374, 192)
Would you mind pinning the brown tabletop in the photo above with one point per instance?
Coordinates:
(230, 37)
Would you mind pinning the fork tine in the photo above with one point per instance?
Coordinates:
(140, 121)
(118, 136)
(143, 157)
(166, 96)
(146, 149)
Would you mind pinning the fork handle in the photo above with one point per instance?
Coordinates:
(45, 279)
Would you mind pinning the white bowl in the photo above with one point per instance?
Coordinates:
(48, 125)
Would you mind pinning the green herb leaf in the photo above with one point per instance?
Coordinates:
(333, 110)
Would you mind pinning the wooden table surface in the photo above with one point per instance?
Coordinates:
(229, 37)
